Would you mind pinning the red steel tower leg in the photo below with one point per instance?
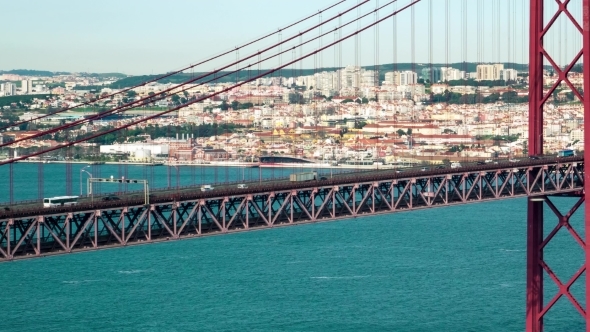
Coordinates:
(586, 103)
(535, 308)
(534, 275)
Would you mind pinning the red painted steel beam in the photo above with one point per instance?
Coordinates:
(535, 309)
(586, 103)
(534, 275)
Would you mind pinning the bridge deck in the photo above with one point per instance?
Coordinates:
(31, 231)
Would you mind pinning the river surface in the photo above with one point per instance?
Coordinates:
(458, 268)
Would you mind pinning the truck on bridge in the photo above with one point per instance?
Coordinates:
(307, 176)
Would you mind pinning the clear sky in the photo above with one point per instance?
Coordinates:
(155, 36)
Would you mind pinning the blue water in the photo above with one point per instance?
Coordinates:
(458, 268)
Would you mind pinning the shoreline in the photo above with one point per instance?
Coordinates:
(223, 164)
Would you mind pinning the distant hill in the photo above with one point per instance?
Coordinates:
(29, 72)
(288, 72)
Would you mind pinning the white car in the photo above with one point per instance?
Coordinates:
(242, 186)
(206, 187)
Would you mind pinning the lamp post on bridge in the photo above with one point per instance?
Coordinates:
(85, 171)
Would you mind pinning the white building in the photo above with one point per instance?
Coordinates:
(392, 77)
(509, 74)
(408, 78)
(350, 77)
(26, 86)
(451, 74)
(9, 89)
(132, 148)
(489, 72)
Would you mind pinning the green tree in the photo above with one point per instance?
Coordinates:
(360, 124)
(492, 98)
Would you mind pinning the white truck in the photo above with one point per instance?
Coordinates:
(307, 176)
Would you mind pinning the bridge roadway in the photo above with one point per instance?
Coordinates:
(29, 230)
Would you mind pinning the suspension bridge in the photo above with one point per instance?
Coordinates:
(485, 31)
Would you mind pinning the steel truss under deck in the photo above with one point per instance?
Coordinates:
(88, 229)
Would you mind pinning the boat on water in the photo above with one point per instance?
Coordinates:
(289, 161)
(96, 163)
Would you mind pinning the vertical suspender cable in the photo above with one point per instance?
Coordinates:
(40, 180)
(11, 182)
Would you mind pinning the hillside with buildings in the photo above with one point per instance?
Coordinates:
(432, 114)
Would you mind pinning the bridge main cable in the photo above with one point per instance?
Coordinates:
(173, 72)
(135, 104)
(138, 103)
(213, 94)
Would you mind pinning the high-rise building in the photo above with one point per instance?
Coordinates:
(431, 75)
(451, 74)
(9, 89)
(489, 72)
(509, 75)
(401, 78)
(392, 77)
(368, 78)
(350, 77)
(26, 86)
(408, 78)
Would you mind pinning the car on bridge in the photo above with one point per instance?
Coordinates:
(206, 187)
(242, 186)
(111, 198)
